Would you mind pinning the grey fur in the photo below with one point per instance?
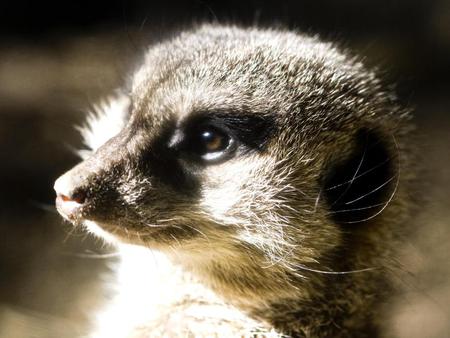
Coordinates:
(256, 228)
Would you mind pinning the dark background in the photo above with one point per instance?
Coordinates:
(57, 59)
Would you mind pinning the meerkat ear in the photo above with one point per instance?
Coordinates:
(359, 188)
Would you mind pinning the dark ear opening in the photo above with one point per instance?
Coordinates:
(359, 188)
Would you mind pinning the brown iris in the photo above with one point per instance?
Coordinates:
(213, 141)
(209, 143)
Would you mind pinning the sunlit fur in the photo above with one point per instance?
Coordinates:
(258, 233)
(149, 296)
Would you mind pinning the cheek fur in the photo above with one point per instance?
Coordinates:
(225, 188)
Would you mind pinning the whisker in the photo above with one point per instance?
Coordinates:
(391, 197)
(357, 209)
(353, 178)
(92, 255)
(142, 25)
(70, 233)
(371, 192)
(44, 206)
(302, 267)
(360, 175)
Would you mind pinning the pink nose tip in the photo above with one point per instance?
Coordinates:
(77, 197)
(68, 200)
(69, 207)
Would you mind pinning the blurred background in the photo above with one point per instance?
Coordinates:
(58, 59)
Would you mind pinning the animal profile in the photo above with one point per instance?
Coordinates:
(267, 171)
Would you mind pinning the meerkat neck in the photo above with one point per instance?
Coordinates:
(286, 299)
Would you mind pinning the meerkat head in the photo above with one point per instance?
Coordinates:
(252, 157)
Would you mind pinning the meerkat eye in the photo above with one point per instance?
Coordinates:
(210, 143)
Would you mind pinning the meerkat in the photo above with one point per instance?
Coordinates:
(266, 173)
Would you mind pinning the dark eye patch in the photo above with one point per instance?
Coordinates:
(251, 131)
(161, 162)
(161, 156)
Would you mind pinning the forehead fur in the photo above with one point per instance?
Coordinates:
(297, 78)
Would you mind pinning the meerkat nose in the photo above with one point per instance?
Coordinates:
(68, 200)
